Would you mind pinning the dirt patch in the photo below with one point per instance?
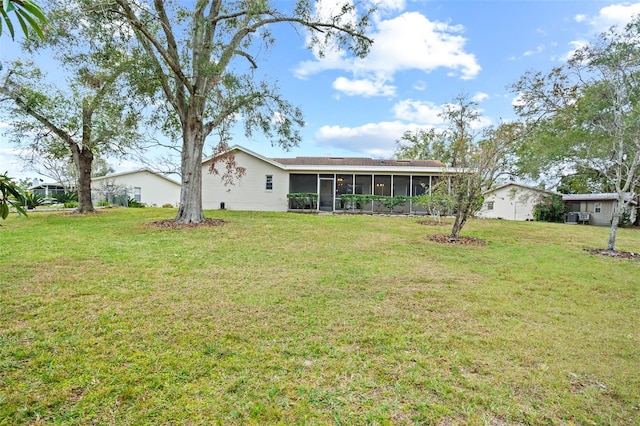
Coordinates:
(446, 239)
(614, 253)
(172, 224)
(75, 212)
(432, 223)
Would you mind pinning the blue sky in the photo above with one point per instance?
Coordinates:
(425, 53)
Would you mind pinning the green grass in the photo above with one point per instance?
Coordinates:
(305, 319)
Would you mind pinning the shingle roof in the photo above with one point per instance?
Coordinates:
(596, 197)
(355, 161)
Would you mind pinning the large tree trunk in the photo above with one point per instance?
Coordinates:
(83, 159)
(190, 209)
(615, 222)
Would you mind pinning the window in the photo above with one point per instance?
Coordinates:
(597, 208)
(269, 183)
(137, 194)
(489, 205)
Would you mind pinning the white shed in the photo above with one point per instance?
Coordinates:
(512, 201)
(144, 186)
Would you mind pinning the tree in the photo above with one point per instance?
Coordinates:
(28, 14)
(438, 200)
(586, 115)
(193, 56)
(475, 156)
(88, 115)
(422, 145)
(11, 195)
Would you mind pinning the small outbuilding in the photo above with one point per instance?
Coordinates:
(597, 209)
(143, 185)
(512, 201)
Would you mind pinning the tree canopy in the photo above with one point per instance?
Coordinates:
(200, 61)
(585, 116)
(90, 113)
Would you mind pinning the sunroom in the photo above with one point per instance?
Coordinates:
(359, 192)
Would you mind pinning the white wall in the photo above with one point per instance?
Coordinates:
(512, 202)
(249, 192)
(154, 190)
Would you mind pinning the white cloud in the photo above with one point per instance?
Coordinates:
(615, 14)
(480, 96)
(580, 18)
(384, 6)
(575, 46)
(11, 163)
(420, 85)
(418, 112)
(363, 87)
(379, 139)
(373, 139)
(537, 50)
(407, 42)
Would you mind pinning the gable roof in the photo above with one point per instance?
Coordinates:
(342, 163)
(532, 188)
(132, 172)
(355, 161)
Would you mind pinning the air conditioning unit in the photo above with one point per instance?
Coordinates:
(583, 216)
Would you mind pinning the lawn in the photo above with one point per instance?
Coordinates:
(280, 318)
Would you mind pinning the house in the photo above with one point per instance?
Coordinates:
(600, 207)
(267, 181)
(144, 185)
(49, 190)
(512, 201)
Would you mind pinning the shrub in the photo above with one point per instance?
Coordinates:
(65, 197)
(302, 200)
(70, 204)
(32, 200)
(167, 206)
(550, 208)
(132, 202)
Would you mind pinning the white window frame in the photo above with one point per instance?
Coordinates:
(490, 205)
(597, 207)
(268, 183)
(137, 193)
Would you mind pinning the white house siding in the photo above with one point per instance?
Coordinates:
(253, 182)
(512, 202)
(155, 190)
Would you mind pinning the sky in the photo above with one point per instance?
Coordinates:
(425, 53)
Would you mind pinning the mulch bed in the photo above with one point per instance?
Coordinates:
(446, 239)
(172, 224)
(432, 223)
(614, 253)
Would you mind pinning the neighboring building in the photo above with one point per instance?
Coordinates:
(512, 201)
(600, 207)
(49, 190)
(267, 181)
(144, 186)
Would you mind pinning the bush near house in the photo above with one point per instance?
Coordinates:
(550, 208)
